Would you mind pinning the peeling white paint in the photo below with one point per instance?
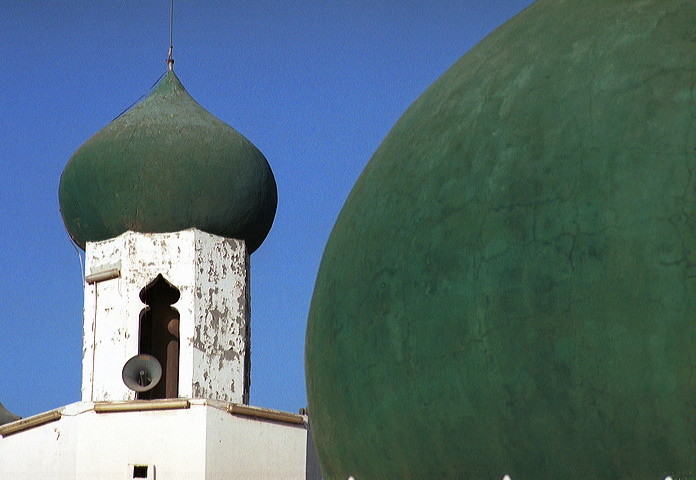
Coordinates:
(212, 275)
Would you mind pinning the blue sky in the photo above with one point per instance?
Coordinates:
(315, 85)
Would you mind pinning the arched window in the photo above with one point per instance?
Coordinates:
(159, 335)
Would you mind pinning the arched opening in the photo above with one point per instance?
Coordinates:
(159, 335)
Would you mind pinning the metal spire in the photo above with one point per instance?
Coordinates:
(170, 60)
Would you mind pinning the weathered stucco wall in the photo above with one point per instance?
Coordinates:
(211, 274)
(200, 441)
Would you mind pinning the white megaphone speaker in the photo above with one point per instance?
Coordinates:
(142, 372)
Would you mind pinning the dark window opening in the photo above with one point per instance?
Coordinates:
(139, 471)
(159, 335)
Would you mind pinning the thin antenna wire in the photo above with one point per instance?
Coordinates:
(170, 60)
(79, 256)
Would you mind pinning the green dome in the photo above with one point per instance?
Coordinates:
(510, 287)
(168, 165)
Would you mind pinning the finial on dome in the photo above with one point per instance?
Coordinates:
(170, 60)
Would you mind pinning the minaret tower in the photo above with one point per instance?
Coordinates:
(168, 203)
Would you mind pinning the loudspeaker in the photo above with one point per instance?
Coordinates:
(141, 373)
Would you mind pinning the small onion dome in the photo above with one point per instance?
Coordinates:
(168, 165)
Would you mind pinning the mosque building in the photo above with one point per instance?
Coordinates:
(508, 293)
(168, 203)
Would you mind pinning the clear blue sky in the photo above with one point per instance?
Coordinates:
(315, 85)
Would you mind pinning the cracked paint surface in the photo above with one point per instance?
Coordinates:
(513, 272)
(211, 274)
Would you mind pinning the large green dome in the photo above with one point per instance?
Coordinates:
(510, 287)
(168, 165)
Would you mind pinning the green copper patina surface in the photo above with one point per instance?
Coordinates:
(510, 287)
(167, 165)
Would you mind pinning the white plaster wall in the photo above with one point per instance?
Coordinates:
(201, 442)
(174, 441)
(259, 449)
(211, 274)
(109, 332)
(220, 341)
(47, 451)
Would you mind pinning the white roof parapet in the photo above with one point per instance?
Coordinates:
(141, 405)
(268, 414)
(30, 422)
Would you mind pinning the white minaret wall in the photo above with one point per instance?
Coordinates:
(212, 276)
(204, 435)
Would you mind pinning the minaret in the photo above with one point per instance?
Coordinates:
(168, 203)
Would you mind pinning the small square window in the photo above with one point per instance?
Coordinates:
(139, 471)
(136, 471)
